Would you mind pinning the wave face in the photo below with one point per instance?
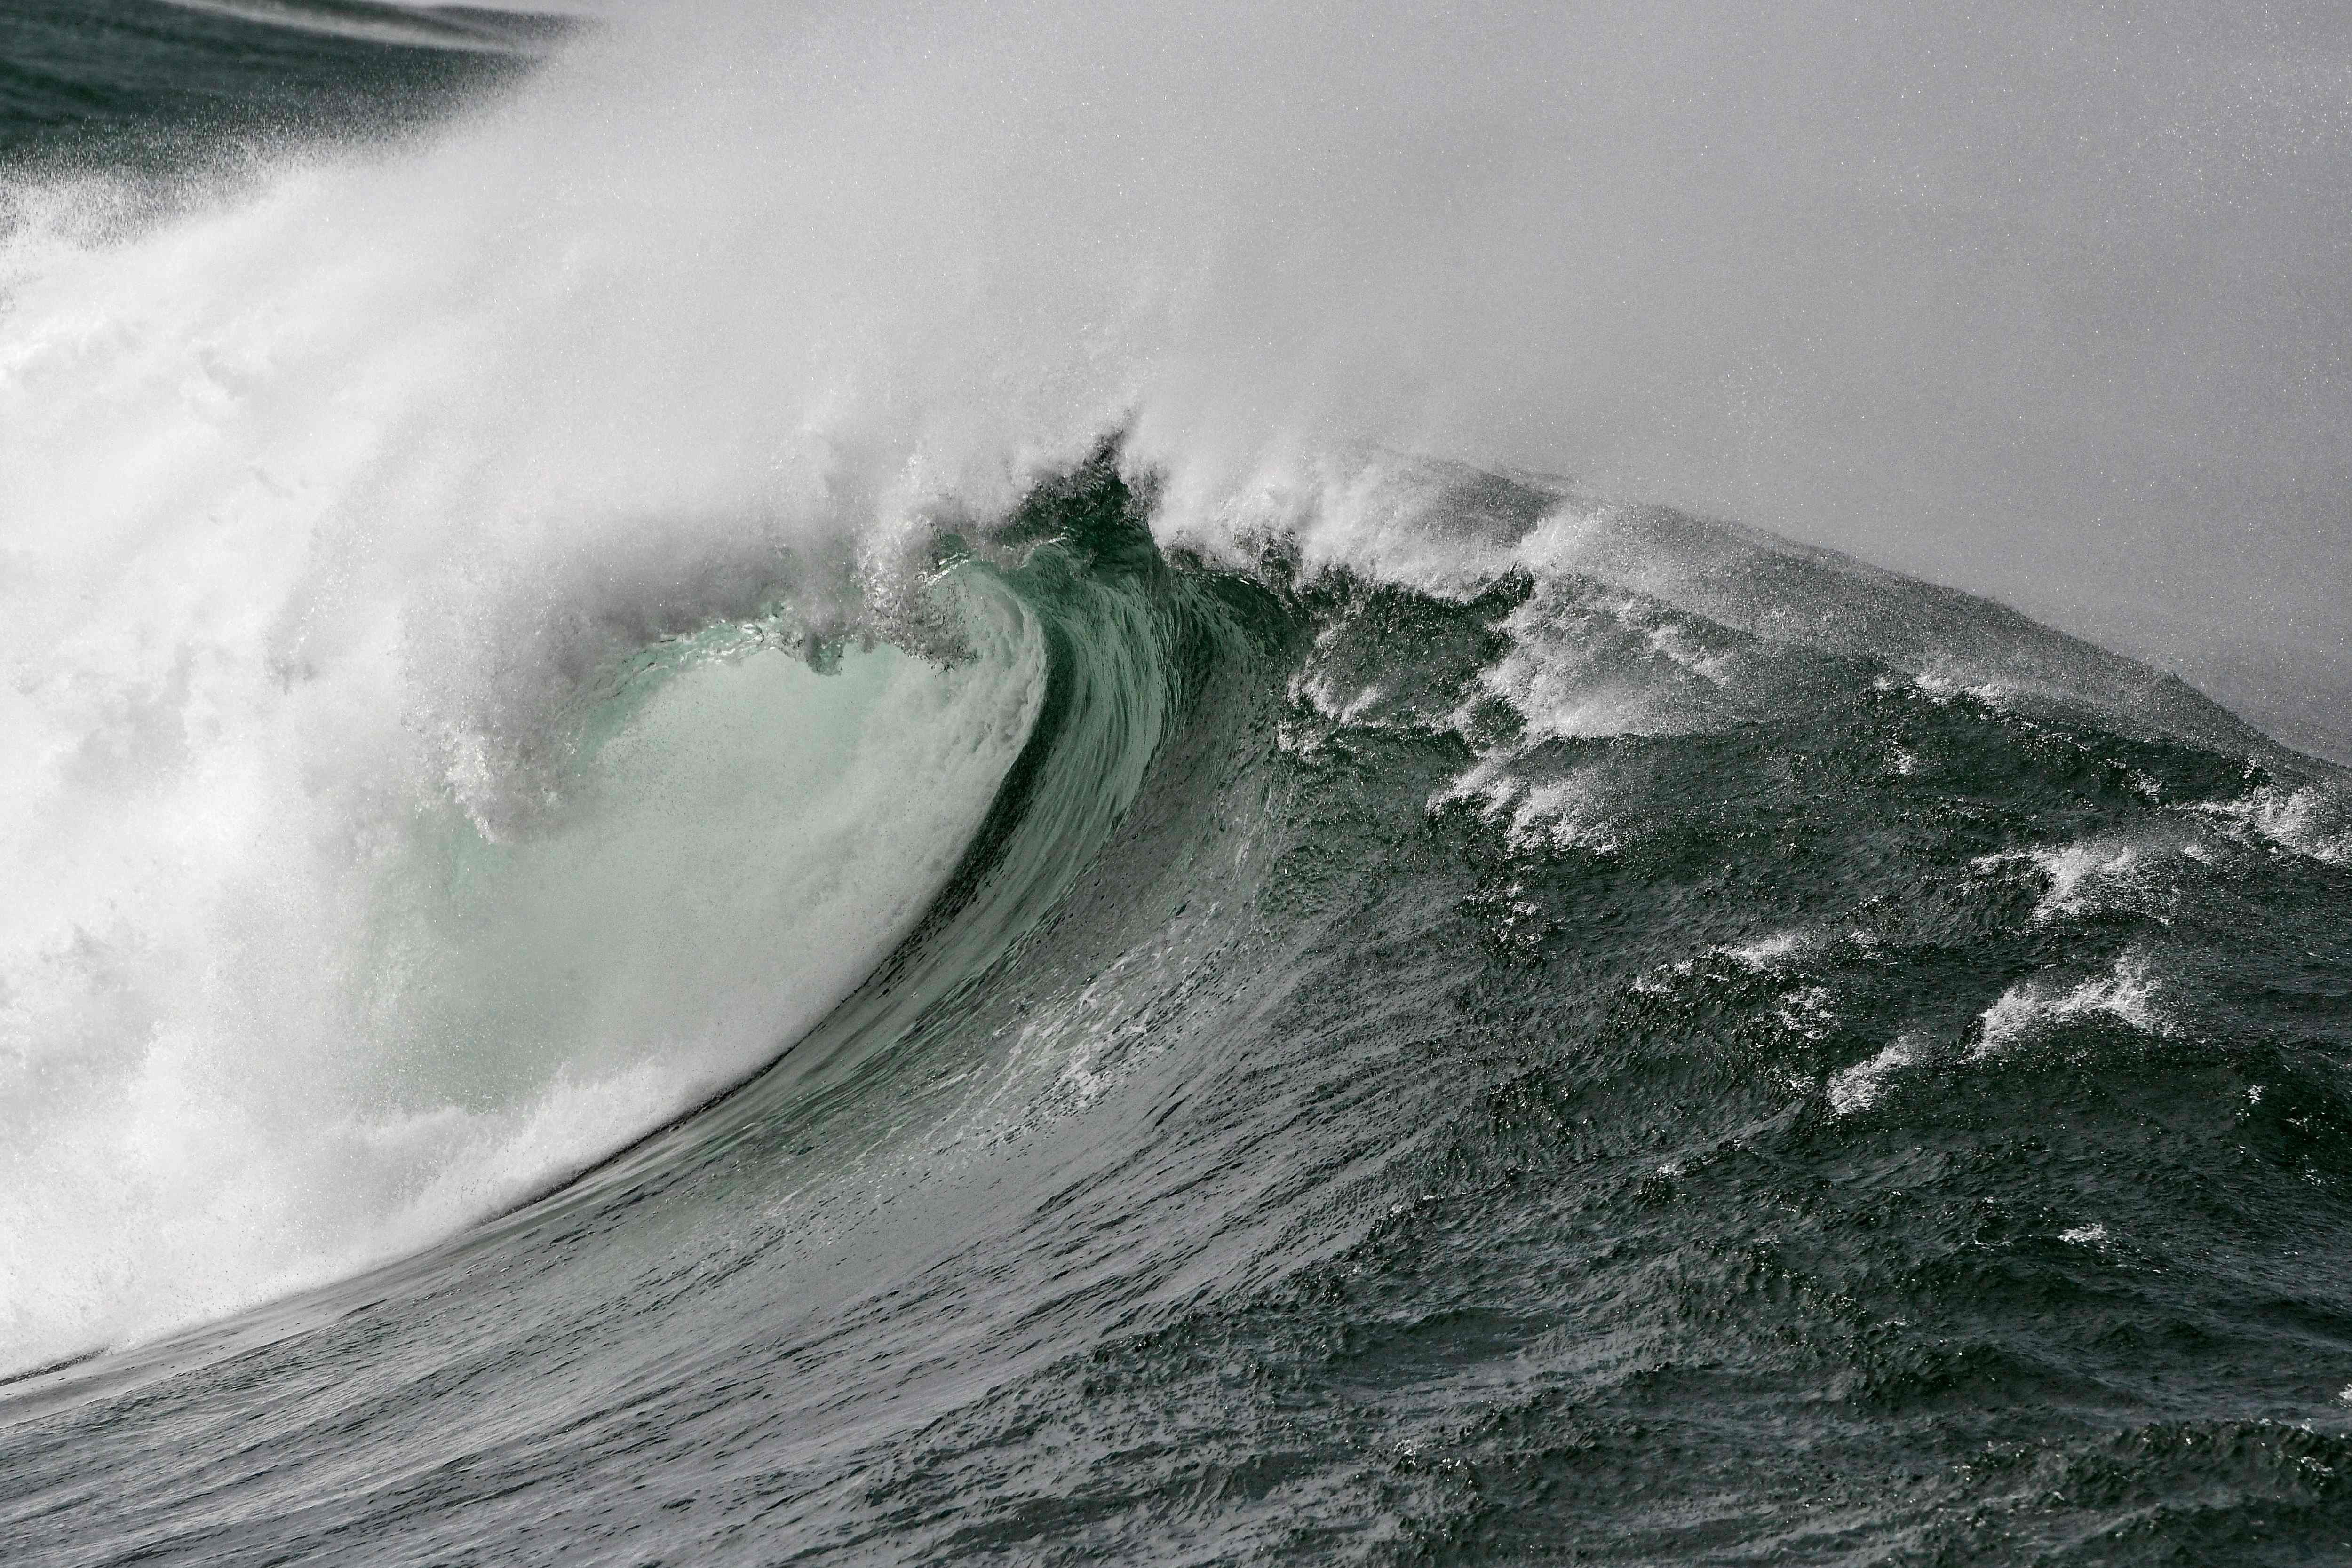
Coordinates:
(564, 996)
(1552, 1061)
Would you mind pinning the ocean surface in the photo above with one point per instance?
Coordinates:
(1525, 1028)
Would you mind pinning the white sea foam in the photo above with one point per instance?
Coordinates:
(2078, 873)
(1942, 684)
(2314, 820)
(1858, 1088)
(1770, 952)
(1569, 813)
(2089, 876)
(2129, 994)
(1343, 706)
(1583, 663)
(1581, 666)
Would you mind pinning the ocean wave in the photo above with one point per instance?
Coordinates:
(1218, 1017)
(734, 836)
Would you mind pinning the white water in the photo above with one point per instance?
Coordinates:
(277, 1007)
(324, 935)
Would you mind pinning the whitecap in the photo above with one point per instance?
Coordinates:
(1863, 1085)
(1769, 952)
(2127, 994)
(2314, 821)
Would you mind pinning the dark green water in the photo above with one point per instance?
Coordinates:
(110, 83)
(1684, 1049)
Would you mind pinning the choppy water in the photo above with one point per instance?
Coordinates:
(1490, 1027)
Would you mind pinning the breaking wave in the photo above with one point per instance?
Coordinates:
(692, 897)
